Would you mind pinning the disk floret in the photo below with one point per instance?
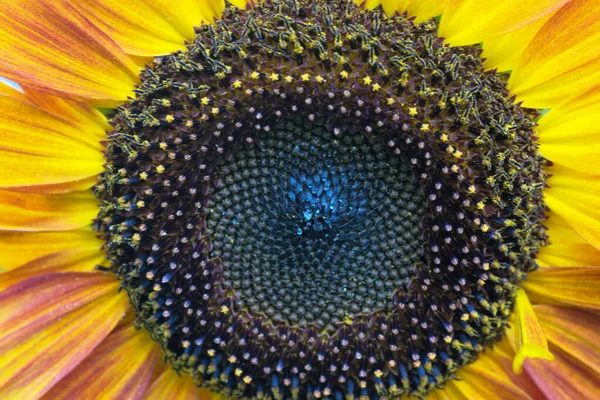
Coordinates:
(200, 143)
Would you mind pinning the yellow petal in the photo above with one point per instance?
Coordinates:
(422, 10)
(120, 368)
(530, 341)
(72, 260)
(43, 212)
(244, 3)
(367, 4)
(39, 148)
(569, 255)
(564, 378)
(48, 324)
(153, 27)
(562, 60)
(58, 188)
(574, 286)
(18, 248)
(170, 386)
(576, 198)
(52, 47)
(503, 52)
(570, 134)
(573, 331)
(474, 21)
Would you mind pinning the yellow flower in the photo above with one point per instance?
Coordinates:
(116, 173)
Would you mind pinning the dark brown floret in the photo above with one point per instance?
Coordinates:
(203, 182)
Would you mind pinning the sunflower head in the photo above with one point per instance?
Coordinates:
(313, 198)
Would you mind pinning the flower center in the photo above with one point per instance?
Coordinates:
(316, 200)
(314, 227)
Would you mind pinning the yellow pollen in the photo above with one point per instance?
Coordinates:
(247, 379)
(378, 373)
(376, 87)
(425, 127)
(390, 101)
(255, 75)
(160, 169)
(481, 205)
(205, 100)
(238, 372)
(305, 77)
(444, 137)
(165, 102)
(458, 153)
(412, 111)
(189, 123)
(169, 118)
(367, 80)
(485, 228)
(237, 84)
(215, 110)
(211, 352)
(289, 79)
(274, 77)
(319, 79)
(344, 74)
(144, 175)
(140, 204)
(163, 145)
(225, 309)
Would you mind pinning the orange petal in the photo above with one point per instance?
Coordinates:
(58, 188)
(422, 10)
(530, 341)
(474, 21)
(485, 379)
(41, 148)
(576, 198)
(73, 260)
(51, 46)
(18, 248)
(39, 212)
(48, 324)
(573, 331)
(575, 286)
(564, 378)
(151, 27)
(170, 386)
(562, 61)
(120, 368)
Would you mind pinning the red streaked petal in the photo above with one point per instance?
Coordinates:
(18, 248)
(573, 331)
(574, 286)
(46, 212)
(119, 368)
(72, 260)
(52, 47)
(564, 378)
(48, 324)
(151, 27)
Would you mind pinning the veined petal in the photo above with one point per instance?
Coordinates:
(119, 368)
(561, 62)
(37, 315)
(18, 248)
(51, 46)
(576, 198)
(150, 28)
(573, 331)
(422, 10)
(72, 260)
(530, 341)
(40, 148)
(170, 386)
(569, 255)
(570, 134)
(503, 52)
(485, 379)
(46, 212)
(474, 21)
(564, 378)
(575, 286)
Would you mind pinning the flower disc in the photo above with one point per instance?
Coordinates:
(314, 200)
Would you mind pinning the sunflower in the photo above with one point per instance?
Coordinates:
(299, 199)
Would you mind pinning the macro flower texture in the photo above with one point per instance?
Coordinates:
(300, 199)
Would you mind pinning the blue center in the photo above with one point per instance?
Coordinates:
(314, 227)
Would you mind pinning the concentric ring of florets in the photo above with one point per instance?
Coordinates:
(471, 149)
